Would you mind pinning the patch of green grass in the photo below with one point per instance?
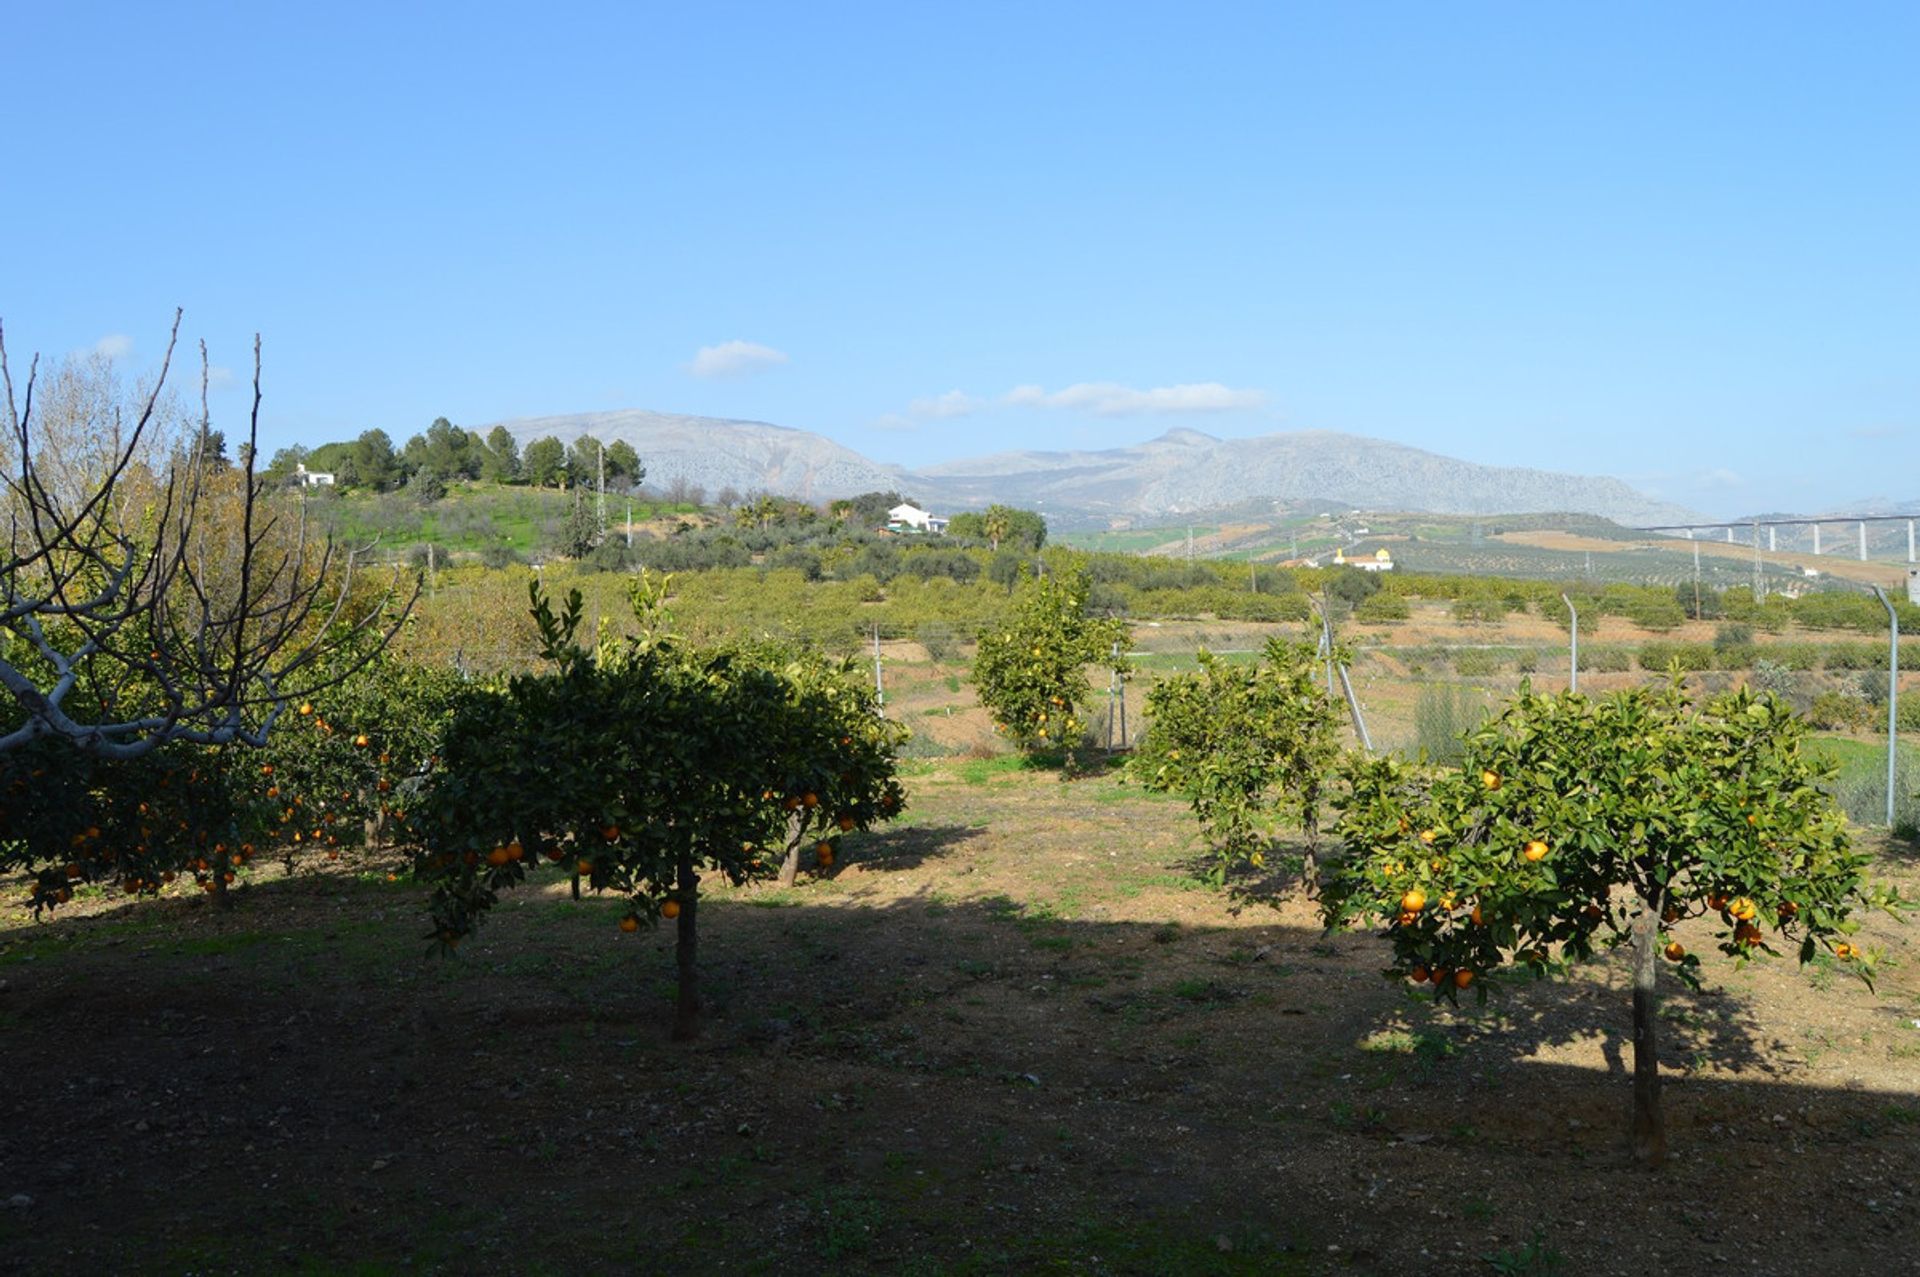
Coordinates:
(207, 946)
(984, 771)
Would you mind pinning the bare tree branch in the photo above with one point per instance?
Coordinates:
(172, 591)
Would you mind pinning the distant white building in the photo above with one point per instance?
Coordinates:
(1381, 561)
(311, 478)
(911, 518)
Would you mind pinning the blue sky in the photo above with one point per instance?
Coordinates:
(1675, 243)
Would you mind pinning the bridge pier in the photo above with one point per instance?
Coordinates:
(1772, 542)
(1816, 538)
(1729, 534)
(1910, 558)
(1863, 540)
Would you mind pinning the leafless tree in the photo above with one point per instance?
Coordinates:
(149, 595)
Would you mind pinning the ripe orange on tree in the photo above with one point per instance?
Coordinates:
(1657, 824)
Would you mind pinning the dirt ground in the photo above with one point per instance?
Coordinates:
(1012, 1033)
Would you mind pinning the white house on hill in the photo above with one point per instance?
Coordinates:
(1380, 562)
(911, 518)
(312, 478)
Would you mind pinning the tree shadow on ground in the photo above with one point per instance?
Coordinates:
(889, 1082)
(894, 848)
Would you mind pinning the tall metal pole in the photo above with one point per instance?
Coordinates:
(1893, 693)
(1863, 540)
(629, 523)
(1816, 538)
(879, 679)
(1573, 634)
(1696, 581)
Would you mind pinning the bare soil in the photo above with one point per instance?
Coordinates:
(1013, 1033)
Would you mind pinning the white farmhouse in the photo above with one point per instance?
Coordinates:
(312, 478)
(1380, 562)
(911, 518)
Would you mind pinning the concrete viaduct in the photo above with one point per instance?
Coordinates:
(1860, 522)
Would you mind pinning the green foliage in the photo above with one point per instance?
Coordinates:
(1839, 712)
(1237, 740)
(1563, 799)
(544, 462)
(355, 757)
(1001, 526)
(1031, 671)
(644, 762)
(1659, 657)
(1381, 608)
(68, 818)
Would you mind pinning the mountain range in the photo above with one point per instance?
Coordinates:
(1183, 473)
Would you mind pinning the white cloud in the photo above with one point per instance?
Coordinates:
(733, 359)
(113, 346)
(1110, 399)
(955, 403)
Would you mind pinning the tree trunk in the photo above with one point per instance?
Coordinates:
(222, 863)
(1649, 1124)
(686, 1011)
(796, 829)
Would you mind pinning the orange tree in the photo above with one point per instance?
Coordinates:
(348, 762)
(638, 767)
(1031, 672)
(69, 819)
(832, 755)
(1236, 739)
(1578, 822)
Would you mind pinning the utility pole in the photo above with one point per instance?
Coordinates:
(1759, 577)
(879, 679)
(1573, 636)
(629, 523)
(1189, 545)
(1696, 578)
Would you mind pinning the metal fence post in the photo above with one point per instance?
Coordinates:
(1573, 635)
(1893, 694)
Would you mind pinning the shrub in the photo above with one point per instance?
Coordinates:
(1659, 657)
(1477, 662)
(1838, 712)
(1606, 660)
(1852, 656)
(1380, 608)
(1234, 738)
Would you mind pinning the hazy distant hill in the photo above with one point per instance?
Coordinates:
(1185, 471)
(1182, 472)
(715, 453)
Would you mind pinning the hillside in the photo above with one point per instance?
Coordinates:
(715, 453)
(1182, 472)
